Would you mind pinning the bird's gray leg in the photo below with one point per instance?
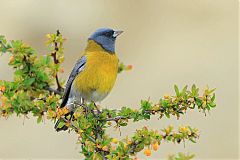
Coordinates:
(82, 101)
(83, 104)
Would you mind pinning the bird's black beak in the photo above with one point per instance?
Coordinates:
(117, 33)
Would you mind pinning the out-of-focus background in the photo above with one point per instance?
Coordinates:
(167, 41)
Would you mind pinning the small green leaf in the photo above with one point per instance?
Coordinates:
(192, 140)
(146, 105)
(184, 89)
(39, 119)
(167, 114)
(194, 90)
(29, 81)
(61, 124)
(42, 76)
(212, 104)
(211, 91)
(213, 97)
(176, 90)
(46, 60)
(198, 102)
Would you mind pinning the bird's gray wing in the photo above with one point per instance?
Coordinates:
(79, 66)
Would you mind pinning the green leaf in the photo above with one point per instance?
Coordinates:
(165, 103)
(213, 97)
(208, 107)
(17, 110)
(146, 105)
(211, 91)
(194, 90)
(167, 114)
(121, 67)
(146, 116)
(123, 124)
(61, 124)
(184, 89)
(192, 140)
(212, 104)
(183, 93)
(16, 43)
(42, 76)
(198, 102)
(176, 90)
(39, 119)
(106, 142)
(29, 81)
(46, 60)
(18, 73)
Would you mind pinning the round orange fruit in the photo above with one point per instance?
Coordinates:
(155, 146)
(147, 152)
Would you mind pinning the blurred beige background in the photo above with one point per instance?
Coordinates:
(167, 41)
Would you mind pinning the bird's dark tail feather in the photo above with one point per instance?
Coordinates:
(63, 128)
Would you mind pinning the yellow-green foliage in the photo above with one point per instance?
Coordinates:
(32, 91)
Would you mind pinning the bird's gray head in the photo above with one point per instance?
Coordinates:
(105, 37)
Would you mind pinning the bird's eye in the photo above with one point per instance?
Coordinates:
(109, 34)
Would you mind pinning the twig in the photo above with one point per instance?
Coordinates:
(115, 118)
(134, 147)
(2, 44)
(76, 128)
(54, 55)
(121, 117)
(54, 90)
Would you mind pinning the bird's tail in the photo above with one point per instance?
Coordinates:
(64, 127)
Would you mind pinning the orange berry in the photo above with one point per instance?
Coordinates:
(61, 70)
(11, 59)
(114, 148)
(166, 96)
(147, 152)
(3, 88)
(155, 146)
(129, 67)
(129, 142)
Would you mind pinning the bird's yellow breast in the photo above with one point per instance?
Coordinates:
(98, 76)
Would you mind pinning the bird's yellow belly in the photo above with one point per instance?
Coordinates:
(98, 77)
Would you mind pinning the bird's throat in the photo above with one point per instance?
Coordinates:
(93, 46)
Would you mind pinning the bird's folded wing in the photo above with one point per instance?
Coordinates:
(79, 66)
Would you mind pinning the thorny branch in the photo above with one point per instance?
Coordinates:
(54, 55)
(89, 122)
(54, 90)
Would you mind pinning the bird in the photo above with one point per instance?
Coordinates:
(94, 74)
